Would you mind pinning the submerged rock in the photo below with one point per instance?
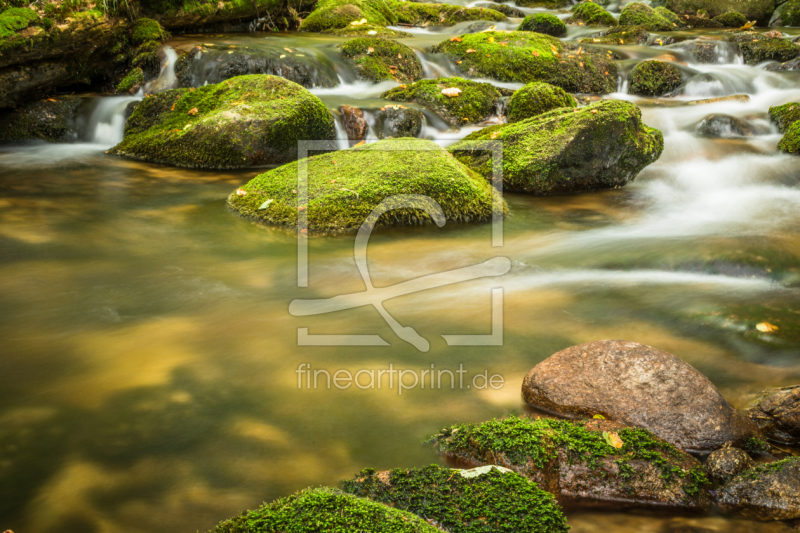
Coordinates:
(394, 121)
(325, 509)
(785, 115)
(367, 30)
(724, 126)
(545, 23)
(345, 186)
(777, 413)
(353, 122)
(528, 56)
(51, 120)
(243, 122)
(491, 500)
(600, 146)
(654, 78)
(536, 98)
(722, 465)
(591, 14)
(382, 59)
(470, 103)
(768, 492)
(758, 51)
(639, 385)
(794, 64)
(583, 462)
(702, 51)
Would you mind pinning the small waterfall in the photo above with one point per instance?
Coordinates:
(342, 142)
(166, 79)
(107, 121)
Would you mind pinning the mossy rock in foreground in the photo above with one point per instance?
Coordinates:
(382, 59)
(591, 14)
(654, 78)
(324, 510)
(335, 14)
(546, 23)
(585, 461)
(243, 122)
(345, 186)
(790, 142)
(755, 52)
(465, 501)
(765, 492)
(50, 120)
(475, 103)
(521, 56)
(600, 146)
(639, 14)
(536, 98)
(785, 115)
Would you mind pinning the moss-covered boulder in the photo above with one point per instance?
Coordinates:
(528, 56)
(583, 461)
(545, 4)
(536, 98)
(765, 492)
(591, 14)
(758, 10)
(424, 14)
(334, 14)
(185, 14)
(145, 29)
(600, 146)
(546, 23)
(732, 19)
(790, 142)
(620, 35)
(325, 510)
(489, 500)
(639, 14)
(345, 186)
(457, 100)
(382, 59)
(15, 19)
(51, 120)
(367, 30)
(786, 14)
(505, 9)
(654, 78)
(755, 52)
(242, 122)
(394, 121)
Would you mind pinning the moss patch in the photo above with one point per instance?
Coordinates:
(492, 502)
(475, 103)
(785, 115)
(654, 78)
(731, 19)
(755, 52)
(620, 35)
(333, 14)
(367, 30)
(527, 56)
(591, 14)
(536, 98)
(790, 142)
(133, 80)
(546, 23)
(146, 29)
(639, 14)
(381, 59)
(546, 4)
(324, 510)
(345, 186)
(422, 14)
(758, 10)
(788, 13)
(15, 19)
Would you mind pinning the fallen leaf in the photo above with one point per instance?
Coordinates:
(451, 92)
(359, 144)
(471, 51)
(288, 50)
(601, 417)
(613, 439)
(766, 327)
(594, 111)
(475, 472)
(490, 40)
(241, 192)
(534, 52)
(52, 100)
(399, 56)
(455, 39)
(580, 64)
(494, 135)
(266, 204)
(554, 49)
(193, 111)
(372, 32)
(370, 50)
(580, 50)
(282, 56)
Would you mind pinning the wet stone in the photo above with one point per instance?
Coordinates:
(724, 464)
(353, 122)
(724, 126)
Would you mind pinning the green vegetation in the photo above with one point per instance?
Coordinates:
(789, 13)
(442, 14)
(526, 56)
(492, 502)
(546, 23)
(15, 19)
(731, 19)
(146, 29)
(475, 103)
(755, 52)
(546, 4)
(639, 14)
(591, 14)
(536, 98)
(756, 445)
(785, 115)
(758, 10)
(334, 14)
(756, 472)
(790, 143)
(654, 78)
(620, 35)
(364, 30)
(381, 59)
(324, 510)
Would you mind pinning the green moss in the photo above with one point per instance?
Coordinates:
(654, 78)
(422, 14)
(242, 122)
(758, 10)
(639, 14)
(345, 186)
(755, 52)
(15, 19)
(758, 471)
(374, 58)
(785, 115)
(756, 445)
(492, 502)
(790, 143)
(546, 4)
(670, 17)
(603, 145)
(146, 29)
(48, 120)
(591, 14)
(475, 103)
(333, 14)
(536, 98)
(364, 30)
(134, 79)
(789, 13)
(731, 19)
(546, 23)
(527, 56)
(621, 35)
(324, 510)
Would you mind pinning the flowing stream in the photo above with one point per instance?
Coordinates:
(148, 379)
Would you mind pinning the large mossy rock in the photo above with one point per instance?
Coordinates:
(620, 35)
(786, 14)
(591, 14)
(758, 10)
(732, 19)
(766, 492)
(181, 14)
(585, 462)
(600, 146)
(382, 59)
(790, 142)
(546, 4)
(475, 103)
(325, 510)
(654, 78)
(777, 411)
(528, 56)
(488, 500)
(242, 122)
(636, 384)
(345, 186)
(639, 14)
(536, 98)
(424, 14)
(785, 115)
(334, 14)
(546, 23)
(758, 51)
(51, 120)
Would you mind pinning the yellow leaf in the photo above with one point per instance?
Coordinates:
(601, 417)
(766, 327)
(490, 40)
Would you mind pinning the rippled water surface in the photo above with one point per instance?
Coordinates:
(148, 372)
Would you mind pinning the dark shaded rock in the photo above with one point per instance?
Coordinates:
(770, 492)
(583, 462)
(703, 52)
(536, 98)
(470, 102)
(222, 14)
(398, 121)
(639, 385)
(353, 122)
(758, 51)
(654, 78)
(724, 126)
(785, 115)
(50, 120)
(777, 412)
(504, 9)
(724, 464)
(382, 59)
(546, 23)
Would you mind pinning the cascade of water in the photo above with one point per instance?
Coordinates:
(166, 79)
(107, 121)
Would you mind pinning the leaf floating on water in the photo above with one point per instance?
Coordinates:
(452, 92)
(266, 204)
(766, 327)
(475, 472)
(193, 111)
(600, 417)
(613, 439)
(241, 192)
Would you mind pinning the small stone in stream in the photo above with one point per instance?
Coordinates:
(724, 126)
(787, 13)
(765, 492)
(591, 14)
(398, 121)
(654, 78)
(546, 23)
(732, 98)
(638, 385)
(794, 64)
(724, 464)
(777, 412)
(702, 51)
(639, 14)
(353, 121)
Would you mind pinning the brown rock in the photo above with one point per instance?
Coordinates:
(777, 413)
(766, 492)
(724, 464)
(638, 385)
(353, 122)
